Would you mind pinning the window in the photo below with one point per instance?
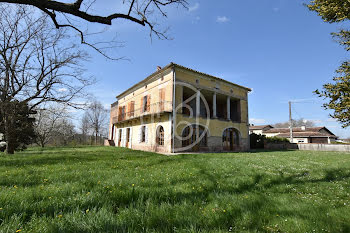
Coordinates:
(145, 103)
(161, 99)
(143, 134)
(131, 109)
(123, 112)
(160, 136)
(192, 134)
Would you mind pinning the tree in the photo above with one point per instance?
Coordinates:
(18, 126)
(36, 67)
(65, 132)
(96, 115)
(85, 127)
(338, 92)
(296, 123)
(142, 12)
(48, 122)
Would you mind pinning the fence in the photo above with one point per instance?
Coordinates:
(307, 146)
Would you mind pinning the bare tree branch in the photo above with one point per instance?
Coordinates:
(141, 12)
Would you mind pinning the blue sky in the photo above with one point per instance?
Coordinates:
(276, 47)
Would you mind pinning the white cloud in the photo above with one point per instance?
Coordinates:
(62, 90)
(256, 121)
(316, 121)
(222, 19)
(331, 120)
(193, 8)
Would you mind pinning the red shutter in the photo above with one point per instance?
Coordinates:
(132, 108)
(161, 99)
(120, 114)
(148, 103)
(141, 106)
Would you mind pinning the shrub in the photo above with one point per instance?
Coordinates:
(256, 141)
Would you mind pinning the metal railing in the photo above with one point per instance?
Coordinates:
(155, 108)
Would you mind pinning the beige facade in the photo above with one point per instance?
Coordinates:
(205, 113)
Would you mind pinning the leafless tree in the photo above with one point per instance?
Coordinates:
(96, 114)
(48, 122)
(142, 12)
(37, 65)
(65, 133)
(296, 123)
(85, 127)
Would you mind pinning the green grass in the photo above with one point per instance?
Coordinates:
(105, 189)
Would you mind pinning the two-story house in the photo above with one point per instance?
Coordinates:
(178, 109)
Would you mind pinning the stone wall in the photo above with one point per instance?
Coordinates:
(324, 147)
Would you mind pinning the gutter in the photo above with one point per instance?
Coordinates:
(174, 113)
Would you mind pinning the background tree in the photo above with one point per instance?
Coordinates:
(17, 126)
(65, 133)
(85, 128)
(48, 123)
(142, 12)
(36, 66)
(338, 92)
(296, 123)
(96, 115)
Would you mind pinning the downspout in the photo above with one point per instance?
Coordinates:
(174, 113)
(248, 125)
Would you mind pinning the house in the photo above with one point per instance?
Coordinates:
(302, 134)
(259, 129)
(205, 113)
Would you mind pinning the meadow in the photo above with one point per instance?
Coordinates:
(106, 189)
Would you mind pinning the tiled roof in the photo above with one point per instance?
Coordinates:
(183, 67)
(295, 129)
(259, 126)
(305, 134)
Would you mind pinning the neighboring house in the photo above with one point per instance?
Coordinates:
(259, 129)
(303, 134)
(205, 112)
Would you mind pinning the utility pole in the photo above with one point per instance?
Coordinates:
(290, 122)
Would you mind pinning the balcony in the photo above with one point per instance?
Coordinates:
(152, 109)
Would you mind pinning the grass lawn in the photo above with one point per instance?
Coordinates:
(105, 189)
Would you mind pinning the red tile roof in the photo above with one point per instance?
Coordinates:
(306, 134)
(257, 127)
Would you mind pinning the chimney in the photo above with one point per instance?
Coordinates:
(303, 128)
(159, 68)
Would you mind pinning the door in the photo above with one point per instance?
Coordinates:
(120, 138)
(230, 139)
(127, 137)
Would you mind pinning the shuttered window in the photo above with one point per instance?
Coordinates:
(131, 109)
(161, 99)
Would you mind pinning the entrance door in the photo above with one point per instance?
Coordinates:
(230, 139)
(127, 137)
(120, 138)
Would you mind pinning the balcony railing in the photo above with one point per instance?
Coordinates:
(156, 108)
